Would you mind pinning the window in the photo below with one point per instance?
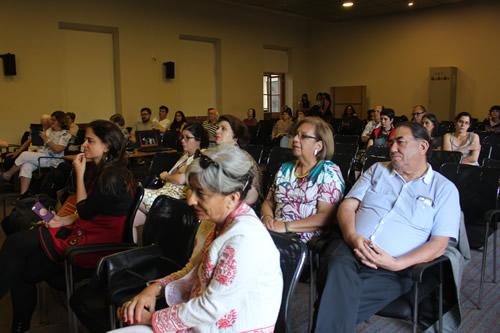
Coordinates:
(274, 87)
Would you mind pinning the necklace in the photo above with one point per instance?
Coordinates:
(305, 174)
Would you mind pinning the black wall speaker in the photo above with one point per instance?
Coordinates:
(9, 64)
(169, 69)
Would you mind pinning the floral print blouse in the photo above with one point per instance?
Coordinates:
(297, 198)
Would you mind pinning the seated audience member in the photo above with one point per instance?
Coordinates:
(372, 124)
(397, 215)
(418, 113)
(210, 124)
(492, 123)
(179, 122)
(465, 142)
(72, 126)
(193, 138)
(282, 127)
(146, 122)
(229, 283)
(10, 157)
(231, 130)
(299, 116)
(304, 102)
(102, 202)
(55, 141)
(349, 112)
(305, 192)
(431, 124)
(381, 134)
(118, 120)
(250, 120)
(326, 108)
(163, 123)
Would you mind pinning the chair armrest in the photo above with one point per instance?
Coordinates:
(117, 262)
(490, 215)
(318, 243)
(71, 253)
(417, 271)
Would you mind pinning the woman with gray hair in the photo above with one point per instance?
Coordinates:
(233, 279)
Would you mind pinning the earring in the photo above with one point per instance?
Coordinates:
(316, 151)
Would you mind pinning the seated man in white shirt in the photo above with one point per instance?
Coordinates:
(163, 123)
(372, 124)
(397, 215)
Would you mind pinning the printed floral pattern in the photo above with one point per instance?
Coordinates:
(168, 320)
(296, 198)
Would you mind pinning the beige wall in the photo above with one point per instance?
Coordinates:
(148, 36)
(392, 55)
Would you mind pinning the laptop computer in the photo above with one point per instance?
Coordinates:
(36, 139)
(148, 141)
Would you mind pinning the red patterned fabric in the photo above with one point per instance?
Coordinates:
(168, 320)
(226, 268)
(228, 319)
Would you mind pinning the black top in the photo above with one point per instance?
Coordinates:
(111, 195)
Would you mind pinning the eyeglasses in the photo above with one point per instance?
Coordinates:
(187, 138)
(303, 136)
(417, 113)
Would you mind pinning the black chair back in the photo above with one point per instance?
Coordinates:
(278, 156)
(171, 224)
(256, 151)
(491, 163)
(292, 259)
(340, 138)
(478, 188)
(264, 131)
(170, 139)
(445, 126)
(371, 160)
(350, 148)
(440, 157)
(163, 161)
(345, 163)
(129, 224)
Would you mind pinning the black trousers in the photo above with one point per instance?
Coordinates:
(354, 292)
(23, 263)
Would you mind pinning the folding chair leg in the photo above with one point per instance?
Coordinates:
(312, 290)
(440, 298)
(112, 318)
(483, 266)
(495, 254)
(72, 320)
(415, 309)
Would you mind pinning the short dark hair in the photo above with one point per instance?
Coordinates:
(289, 111)
(148, 110)
(72, 115)
(61, 118)
(199, 132)
(240, 130)
(118, 119)
(163, 107)
(388, 113)
(418, 131)
(463, 114)
(495, 108)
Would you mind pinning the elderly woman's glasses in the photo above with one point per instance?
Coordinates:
(303, 136)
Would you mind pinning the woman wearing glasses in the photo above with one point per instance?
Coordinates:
(305, 192)
(230, 283)
(193, 138)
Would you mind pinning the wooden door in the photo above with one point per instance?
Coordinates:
(349, 95)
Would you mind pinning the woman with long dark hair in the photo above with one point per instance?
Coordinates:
(101, 203)
(179, 122)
